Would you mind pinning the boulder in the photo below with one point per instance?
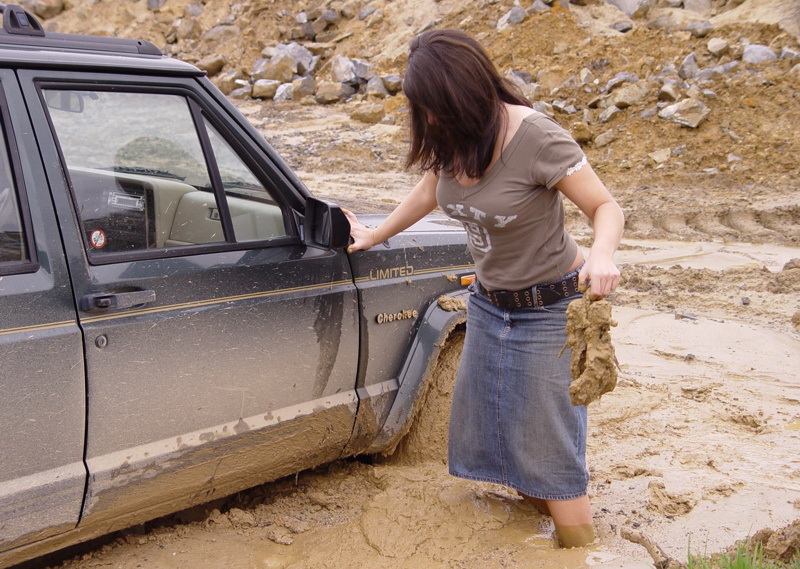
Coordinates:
(605, 138)
(710, 72)
(188, 29)
(619, 79)
(331, 92)
(689, 112)
(362, 69)
(538, 6)
(755, 53)
(212, 64)
(285, 92)
(717, 47)
(669, 92)
(660, 156)
(518, 77)
(689, 68)
(302, 58)
(581, 133)
(331, 16)
(343, 70)
(369, 113)
(699, 29)
(155, 5)
(303, 87)
(227, 82)
(622, 26)
(241, 92)
(393, 83)
(511, 18)
(45, 9)
(606, 115)
(376, 88)
(627, 96)
(265, 88)
(634, 8)
(366, 12)
(280, 68)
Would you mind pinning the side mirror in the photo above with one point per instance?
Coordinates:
(69, 101)
(325, 225)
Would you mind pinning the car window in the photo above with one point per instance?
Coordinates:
(254, 213)
(12, 237)
(136, 165)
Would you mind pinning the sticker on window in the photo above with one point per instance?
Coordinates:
(98, 239)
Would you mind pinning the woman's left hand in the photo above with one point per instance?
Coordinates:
(600, 273)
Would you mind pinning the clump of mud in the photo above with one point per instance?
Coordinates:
(451, 304)
(594, 365)
(668, 504)
(779, 545)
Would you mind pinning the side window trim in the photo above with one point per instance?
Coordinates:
(31, 264)
(198, 112)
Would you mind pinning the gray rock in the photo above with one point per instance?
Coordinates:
(393, 83)
(672, 3)
(627, 96)
(155, 5)
(699, 6)
(634, 8)
(699, 29)
(668, 92)
(538, 6)
(284, 93)
(280, 68)
(513, 17)
(374, 19)
(689, 112)
(622, 26)
(188, 29)
(542, 107)
(331, 92)
(303, 59)
(585, 76)
(607, 114)
(362, 69)
(369, 113)
(343, 70)
(660, 156)
(427, 24)
(265, 88)
(241, 92)
(605, 138)
(689, 68)
(710, 72)
(518, 77)
(795, 70)
(227, 82)
(376, 88)
(193, 10)
(365, 12)
(331, 16)
(303, 87)
(717, 47)
(755, 53)
(619, 79)
(563, 106)
(349, 9)
(212, 64)
(663, 22)
(301, 18)
(788, 53)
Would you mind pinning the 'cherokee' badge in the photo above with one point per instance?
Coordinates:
(391, 317)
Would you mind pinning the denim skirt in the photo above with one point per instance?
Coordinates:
(511, 421)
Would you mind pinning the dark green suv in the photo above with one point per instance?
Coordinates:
(179, 319)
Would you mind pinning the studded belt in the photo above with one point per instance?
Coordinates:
(536, 296)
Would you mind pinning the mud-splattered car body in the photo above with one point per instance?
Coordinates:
(177, 330)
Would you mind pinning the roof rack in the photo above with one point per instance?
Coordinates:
(22, 29)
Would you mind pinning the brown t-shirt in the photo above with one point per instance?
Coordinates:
(514, 216)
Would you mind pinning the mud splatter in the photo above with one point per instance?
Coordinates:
(451, 304)
(663, 502)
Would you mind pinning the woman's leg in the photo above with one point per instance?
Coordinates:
(573, 521)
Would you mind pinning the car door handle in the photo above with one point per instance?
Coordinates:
(117, 300)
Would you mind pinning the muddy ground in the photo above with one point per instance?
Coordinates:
(698, 444)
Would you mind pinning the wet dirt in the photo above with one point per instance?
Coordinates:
(593, 365)
(697, 442)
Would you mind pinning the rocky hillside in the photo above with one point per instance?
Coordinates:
(697, 93)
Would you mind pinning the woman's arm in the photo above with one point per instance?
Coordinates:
(585, 190)
(417, 204)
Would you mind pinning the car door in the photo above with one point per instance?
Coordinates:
(42, 406)
(221, 351)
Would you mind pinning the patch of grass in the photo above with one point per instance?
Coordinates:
(746, 556)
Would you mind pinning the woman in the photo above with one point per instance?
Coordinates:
(496, 165)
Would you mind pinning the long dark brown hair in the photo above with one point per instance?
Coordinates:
(456, 101)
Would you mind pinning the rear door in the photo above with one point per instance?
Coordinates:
(42, 388)
(221, 351)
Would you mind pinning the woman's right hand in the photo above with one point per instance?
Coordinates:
(363, 236)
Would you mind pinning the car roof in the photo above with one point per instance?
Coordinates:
(24, 43)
